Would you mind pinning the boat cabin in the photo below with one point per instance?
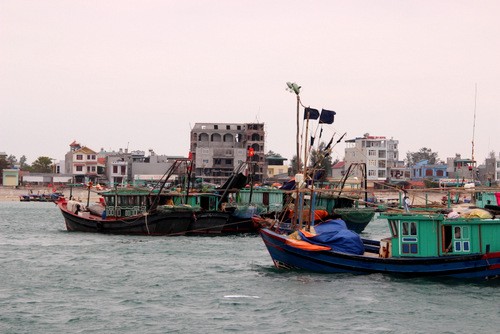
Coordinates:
(204, 201)
(487, 198)
(272, 199)
(434, 235)
(127, 202)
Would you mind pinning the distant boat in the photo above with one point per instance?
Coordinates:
(52, 197)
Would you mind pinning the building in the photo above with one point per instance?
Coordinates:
(218, 149)
(10, 177)
(463, 170)
(423, 170)
(81, 162)
(137, 168)
(377, 152)
(150, 169)
(276, 168)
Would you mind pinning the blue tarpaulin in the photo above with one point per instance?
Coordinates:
(335, 234)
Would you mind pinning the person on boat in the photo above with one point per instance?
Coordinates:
(406, 202)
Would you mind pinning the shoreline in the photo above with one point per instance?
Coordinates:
(10, 194)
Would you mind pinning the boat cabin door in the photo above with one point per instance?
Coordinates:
(408, 238)
(457, 238)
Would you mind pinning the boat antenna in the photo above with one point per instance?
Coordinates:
(474, 130)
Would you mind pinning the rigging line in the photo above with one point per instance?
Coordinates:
(474, 123)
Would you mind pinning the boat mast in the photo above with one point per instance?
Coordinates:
(474, 129)
(293, 87)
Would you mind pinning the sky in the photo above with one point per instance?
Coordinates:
(139, 74)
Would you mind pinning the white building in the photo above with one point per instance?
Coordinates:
(377, 152)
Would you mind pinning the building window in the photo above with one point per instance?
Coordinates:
(372, 153)
(115, 169)
(371, 172)
(372, 163)
(79, 168)
(381, 164)
(79, 157)
(228, 127)
(216, 127)
(381, 173)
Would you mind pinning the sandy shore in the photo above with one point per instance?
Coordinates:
(8, 194)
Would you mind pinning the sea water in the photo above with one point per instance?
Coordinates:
(54, 281)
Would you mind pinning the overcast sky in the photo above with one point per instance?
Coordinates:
(120, 73)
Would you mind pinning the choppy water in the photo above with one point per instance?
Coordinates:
(53, 281)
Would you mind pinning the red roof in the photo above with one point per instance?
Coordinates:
(339, 164)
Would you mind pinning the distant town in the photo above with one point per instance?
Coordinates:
(217, 150)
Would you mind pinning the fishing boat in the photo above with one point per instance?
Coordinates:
(418, 245)
(129, 211)
(465, 245)
(53, 197)
(488, 198)
(125, 211)
(207, 217)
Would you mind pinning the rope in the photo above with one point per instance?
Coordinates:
(146, 221)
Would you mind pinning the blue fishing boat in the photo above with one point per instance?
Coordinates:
(465, 245)
(418, 245)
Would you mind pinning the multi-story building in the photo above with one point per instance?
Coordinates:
(379, 153)
(81, 162)
(462, 169)
(219, 148)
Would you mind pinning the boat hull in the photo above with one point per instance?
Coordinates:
(159, 223)
(466, 266)
(209, 222)
(356, 219)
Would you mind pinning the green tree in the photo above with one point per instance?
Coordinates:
(272, 154)
(12, 160)
(22, 162)
(293, 163)
(321, 160)
(42, 165)
(423, 154)
(4, 164)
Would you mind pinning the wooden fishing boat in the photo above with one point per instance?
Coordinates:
(207, 217)
(130, 211)
(418, 245)
(126, 211)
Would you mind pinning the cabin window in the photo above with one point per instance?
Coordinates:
(409, 228)
(394, 228)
